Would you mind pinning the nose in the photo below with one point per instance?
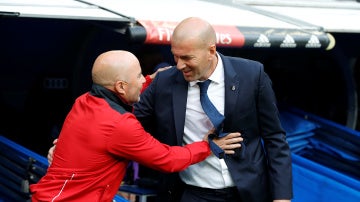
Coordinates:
(180, 64)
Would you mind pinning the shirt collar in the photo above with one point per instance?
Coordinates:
(217, 75)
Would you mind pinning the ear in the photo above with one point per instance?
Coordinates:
(212, 49)
(120, 87)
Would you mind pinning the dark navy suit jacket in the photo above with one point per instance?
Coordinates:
(264, 172)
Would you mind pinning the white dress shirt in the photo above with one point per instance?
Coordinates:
(212, 172)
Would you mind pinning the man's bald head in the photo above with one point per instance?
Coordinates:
(112, 66)
(193, 45)
(195, 29)
(120, 72)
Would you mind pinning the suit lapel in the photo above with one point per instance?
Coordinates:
(232, 87)
(179, 95)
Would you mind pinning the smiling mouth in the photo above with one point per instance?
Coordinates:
(186, 70)
(187, 73)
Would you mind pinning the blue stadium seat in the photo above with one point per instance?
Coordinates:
(20, 167)
(325, 158)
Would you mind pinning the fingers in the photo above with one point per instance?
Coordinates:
(50, 154)
(164, 68)
(152, 76)
(230, 147)
(230, 142)
(232, 138)
(232, 135)
(233, 145)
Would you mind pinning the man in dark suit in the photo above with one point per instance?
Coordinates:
(242, 92)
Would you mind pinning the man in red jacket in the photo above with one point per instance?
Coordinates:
(100, 136)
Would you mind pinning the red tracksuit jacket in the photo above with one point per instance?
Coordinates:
(98, 139)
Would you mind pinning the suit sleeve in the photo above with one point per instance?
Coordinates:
(132, 142)
(276, 146)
